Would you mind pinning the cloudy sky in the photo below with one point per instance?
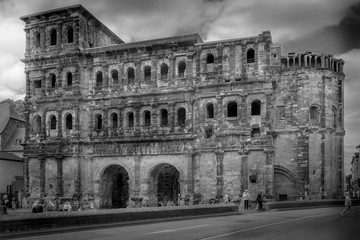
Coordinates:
(331, 26)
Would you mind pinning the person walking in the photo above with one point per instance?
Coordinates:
(260, 200)
(246, 198)
(4, 204)
(347, 205)
(13, 204)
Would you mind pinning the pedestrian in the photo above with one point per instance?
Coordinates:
(226, 198)
(246, 198)
(347, 205)
(260, 200)
(4, 204)
(13, 204)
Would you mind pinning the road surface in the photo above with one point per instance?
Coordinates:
(319, 223)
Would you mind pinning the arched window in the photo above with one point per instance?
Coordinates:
(232, 109)
(115, 77)
(181, 69)
(52, 122)
(164, 69)
(147, 118)
(69, 79)
(210, 110)
(70, 35)
(255, 132)
(37, 124)
(250, 56)
(53, 37)
(98, 122)
(131, 75)
(99, 79)
(147, 73)
(181, 116)
(164, 117)
(37, 39)
(256, 108)
(52, 80)
(69, 122)
(210, 59)
(114, 120)
(314, 115)
(131, 119)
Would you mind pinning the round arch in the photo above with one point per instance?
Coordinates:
(164, 184)
(284, 184)
(114, 186)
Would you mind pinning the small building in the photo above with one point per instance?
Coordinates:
(12, 132)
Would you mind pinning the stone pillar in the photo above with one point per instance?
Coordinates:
(154, 73)
(193, 175)
(172, 69)
(59, 177)
(27, 121)
(91, 123)
(59, 76)
(106, 76)
(27, 34)
(43, 82)
(220, 109)
(138, 74)
(137, 115)
(43, 125)
(59, 36)
(269, 171)
(218, 67)
(28, 84)
(305, 60)
(219, 171)
(59, 123)
(105, 123)
(42, 160)
(287, 62)
(76, 80)
(43, 37)
(26, 174)
(172, 116)
(77, 33)
(137, 174)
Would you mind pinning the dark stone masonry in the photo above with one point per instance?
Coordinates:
(169, 118)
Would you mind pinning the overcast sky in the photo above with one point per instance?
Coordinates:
(331, 26)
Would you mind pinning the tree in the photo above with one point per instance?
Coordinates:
(18, 105)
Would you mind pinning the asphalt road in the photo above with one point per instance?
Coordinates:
(320, 223)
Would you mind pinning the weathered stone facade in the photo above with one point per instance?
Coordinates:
(166, 117)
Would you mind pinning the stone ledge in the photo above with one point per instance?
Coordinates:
(52, 220)
(311, 203)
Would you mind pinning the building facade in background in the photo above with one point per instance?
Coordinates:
(12, 133)
(169, 117)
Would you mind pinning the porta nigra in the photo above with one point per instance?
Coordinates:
(165, 118)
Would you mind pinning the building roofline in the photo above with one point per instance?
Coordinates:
(83, 11)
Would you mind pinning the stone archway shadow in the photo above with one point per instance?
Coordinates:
(164, 184)
(114, 187)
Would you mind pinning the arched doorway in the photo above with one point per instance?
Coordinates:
(114, 187)
(165, 183)
(284, 184)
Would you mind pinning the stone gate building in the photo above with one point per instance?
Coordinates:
(173, 116)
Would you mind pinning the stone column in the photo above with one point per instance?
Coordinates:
(172, 116)
(105, 121)
(137, 174)
(43, 37)
(172, 69)
(219, 171)
(59, 36)
(27, 33)
(28, 82)
(59, 177)
(26, 174)
(27, 122)
(43, 82)
(59, 76)
(77, 32)
(42, 160)
(218, 65)
(76, 80)
(59, 123)
(154, 73)
(193, 177)
(43, 125)
(106, 76)
(269, 171)
(138, 74)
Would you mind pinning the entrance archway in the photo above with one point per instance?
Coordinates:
(165, 183)
(114, 187)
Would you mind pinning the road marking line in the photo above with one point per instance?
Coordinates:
(177, 229)
(265, 225)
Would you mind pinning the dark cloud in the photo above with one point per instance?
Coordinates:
(334, 39)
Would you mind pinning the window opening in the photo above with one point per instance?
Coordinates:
(210, 59)
(232, 109)
(37, 84)
(210, 110)
(53, 81)
(70, 34)
(181, 116)
(255, 108)
(53, 37)
(69, 122)
(99, 122)
(250, 56)
(181, 69)
(52, 123)
(255, 132)
(115, 77)
(147, 118)
(37, 40)
(114, 120)
(131, 75)
(164, 117)
(37, 124)
(208, 132)
(314, 115)
(69, 79)
(131, 120)
(99, 79)
(147, 73)
(164, 71)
